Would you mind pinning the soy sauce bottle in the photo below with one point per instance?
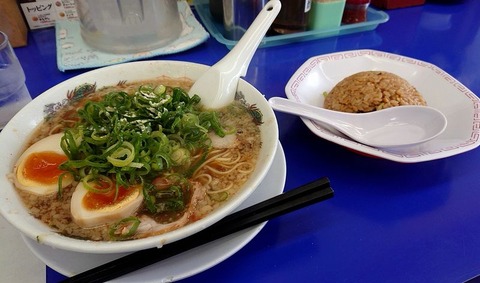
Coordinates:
(293, 16)
(355, 11)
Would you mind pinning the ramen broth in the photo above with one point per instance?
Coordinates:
(214, 175)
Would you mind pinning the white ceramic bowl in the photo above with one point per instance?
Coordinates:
(441, 91)
(20, 127)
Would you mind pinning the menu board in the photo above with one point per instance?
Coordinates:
(44, 13)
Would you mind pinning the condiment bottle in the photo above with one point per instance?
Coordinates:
(293, 16)
(355, 11)
(326, 14)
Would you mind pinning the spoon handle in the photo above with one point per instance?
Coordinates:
(302, 109)
(218, 85)
(242, 53)
(393, 127)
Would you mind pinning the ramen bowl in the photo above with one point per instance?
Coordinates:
(21, 127)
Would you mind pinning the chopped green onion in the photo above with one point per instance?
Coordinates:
(221, 196)
(99, 184)
(123, 155)
(169, 196)
(131, 137)
(124, 228)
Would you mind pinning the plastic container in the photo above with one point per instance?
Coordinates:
(355, 11)
(216, 29)
(236, 15)
(129, 26)
(326, 14)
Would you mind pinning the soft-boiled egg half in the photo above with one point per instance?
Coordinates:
(90, 209)
(37, 172)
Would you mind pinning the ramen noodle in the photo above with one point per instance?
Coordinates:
(135, 160)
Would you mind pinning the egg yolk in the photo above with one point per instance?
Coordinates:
(94, 201)
(42, 167)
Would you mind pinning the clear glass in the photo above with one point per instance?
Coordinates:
(237, 16)
(13, 91)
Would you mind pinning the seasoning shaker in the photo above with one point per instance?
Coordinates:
(355, 11)
(326, 14)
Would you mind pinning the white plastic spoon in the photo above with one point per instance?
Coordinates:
(218, 85)
(391, 127)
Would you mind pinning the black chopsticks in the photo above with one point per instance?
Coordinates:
(291, 200)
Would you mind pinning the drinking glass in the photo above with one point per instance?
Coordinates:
(13, 91)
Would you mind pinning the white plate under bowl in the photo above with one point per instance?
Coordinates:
(320, 74)
(181, 266)
(18, 130)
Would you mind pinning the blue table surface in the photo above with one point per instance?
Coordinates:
(388, 222)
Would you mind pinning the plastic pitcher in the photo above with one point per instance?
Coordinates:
(129, 26)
